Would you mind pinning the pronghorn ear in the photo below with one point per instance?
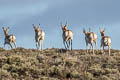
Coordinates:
(104, 29)
(39, 26)
(3, 28)
(8, 27)
(62, 25)
(66, 25)
(84, 30)
(33, 25)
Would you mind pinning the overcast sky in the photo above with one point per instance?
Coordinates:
(21, 14)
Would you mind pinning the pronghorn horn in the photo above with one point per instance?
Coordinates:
(104, 29)
(62, 24)
(66, 24)
(39, 26)
(89, 29)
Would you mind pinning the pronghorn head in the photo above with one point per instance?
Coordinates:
(86, 33)
(102, 31)
(64, 27)
(6, 30)
(36, 28)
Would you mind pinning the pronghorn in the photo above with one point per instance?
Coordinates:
(9, 39)
(90, 37)
(39, 37)
(105, 40)
(67, 36)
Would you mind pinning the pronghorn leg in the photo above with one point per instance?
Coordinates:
(4, 45)
(37, 45)
(103, 49)
(11, 45)
(15, 44)
(65, 45)
(41, 44)
(71, 44)
(92, 48)
(64, 41)
(109, 49)
(86, 47)
(96, 44)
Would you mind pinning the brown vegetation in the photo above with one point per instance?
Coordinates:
(57, 64)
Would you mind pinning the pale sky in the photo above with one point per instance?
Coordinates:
(21, 14)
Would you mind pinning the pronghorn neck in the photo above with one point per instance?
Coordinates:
(64, 31)
(36, 33)
(87, 33)
(102, 34)
(6, 34)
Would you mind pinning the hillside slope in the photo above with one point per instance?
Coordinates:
(57, 64)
